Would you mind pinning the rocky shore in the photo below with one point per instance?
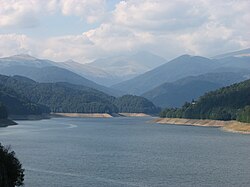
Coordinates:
(98, 115)
(134, 114)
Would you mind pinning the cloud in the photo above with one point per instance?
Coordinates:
(12, 44)
(171, 28)
(27, 13)
(159, 15)
(18, 13)
(77, 47)
(167, 28)
(198, 27)
(209, 39)
(92, 10)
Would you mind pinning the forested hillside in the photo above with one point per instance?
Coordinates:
(227, 103)
(133, 104)
(3, 111)
(175, 94)
(17, 104)
(173, 70)
(53, 74)
(182, 67)
(65, 97)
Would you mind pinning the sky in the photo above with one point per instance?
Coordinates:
(85, 30)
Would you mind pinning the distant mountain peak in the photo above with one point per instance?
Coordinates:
(23, 57)
(188, 57)
(70, 61)
(185, 56)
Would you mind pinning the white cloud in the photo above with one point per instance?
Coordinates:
(167, 28)
(92, 10)
(209, 39)
(12, 44)
(27, 13)
(18, 13)
(159, 15)
(77, 47)
(204, 27)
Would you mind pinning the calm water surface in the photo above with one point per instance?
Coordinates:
(65, 152)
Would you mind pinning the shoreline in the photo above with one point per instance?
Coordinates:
(82, 115)
(126, 114)
(10, 121)
(30, 117)
(227, 126)
(7, 122)
(98, 115)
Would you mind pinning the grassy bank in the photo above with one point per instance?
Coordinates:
(230, 126)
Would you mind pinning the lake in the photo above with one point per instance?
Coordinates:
(78, 152)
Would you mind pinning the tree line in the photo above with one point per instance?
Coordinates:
(228, 103)
(25, 96)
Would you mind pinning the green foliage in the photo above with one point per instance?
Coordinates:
(60, 97)
(175, 94)
(134, 104)
(244, 114)
(18, 104)
(228, 103)
(163, 113)
(3, 111)
(11, 171)
(65, 97)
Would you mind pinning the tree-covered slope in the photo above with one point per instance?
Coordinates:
(58, 96)
(3, 111)
(17, 64)
(17, 104)
(173, 70)
(65, 97)
(175, 94)
(135, 104)
(104, 71)
(182, 67)
(53, 74)
(227, 103)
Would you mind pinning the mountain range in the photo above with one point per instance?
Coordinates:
(104, 71)
(46, 71)
(114, 69)
(173, 70)
(125, 67)
(175, 94)
(166, 83)
(182, 67)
